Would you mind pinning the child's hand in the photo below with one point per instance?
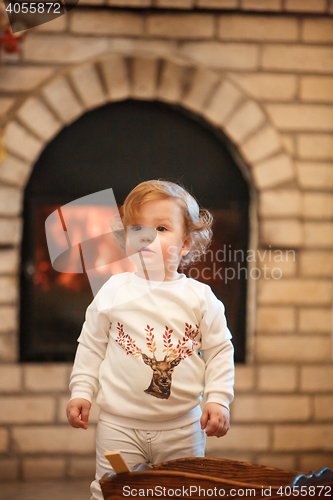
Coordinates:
(218, 417)
(78, 407)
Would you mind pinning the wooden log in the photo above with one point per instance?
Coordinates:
(116, 461)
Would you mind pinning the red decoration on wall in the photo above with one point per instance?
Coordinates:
(11, 42)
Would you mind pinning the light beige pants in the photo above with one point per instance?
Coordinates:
(138, 447)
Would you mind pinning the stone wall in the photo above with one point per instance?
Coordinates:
(261, 71)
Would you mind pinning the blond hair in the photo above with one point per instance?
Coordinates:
(198, 221)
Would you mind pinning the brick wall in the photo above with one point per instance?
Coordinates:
(265, 79)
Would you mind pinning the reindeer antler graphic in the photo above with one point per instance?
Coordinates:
(162, 370)
(181, 350)
(127, 343)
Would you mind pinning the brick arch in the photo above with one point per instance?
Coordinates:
(208, 93)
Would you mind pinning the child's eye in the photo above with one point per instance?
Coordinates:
(136, 228)
(161, 228)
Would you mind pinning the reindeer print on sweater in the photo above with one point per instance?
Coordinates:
(160, 385)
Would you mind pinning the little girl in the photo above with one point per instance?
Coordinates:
(152, 357)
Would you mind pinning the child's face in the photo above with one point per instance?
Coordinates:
(167, 219)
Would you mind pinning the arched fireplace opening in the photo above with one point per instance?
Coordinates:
(118, 146)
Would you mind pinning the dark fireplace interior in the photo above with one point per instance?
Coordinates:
(117, 146)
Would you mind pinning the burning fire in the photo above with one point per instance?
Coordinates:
(83, 224)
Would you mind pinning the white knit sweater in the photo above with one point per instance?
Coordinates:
(151, 355)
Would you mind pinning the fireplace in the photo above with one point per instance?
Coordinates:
(117, 146)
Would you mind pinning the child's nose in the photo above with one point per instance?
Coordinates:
(146, 236)
(146, 239)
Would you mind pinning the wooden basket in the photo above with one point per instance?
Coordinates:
(199, 478)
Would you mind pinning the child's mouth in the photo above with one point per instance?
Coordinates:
(146, 250)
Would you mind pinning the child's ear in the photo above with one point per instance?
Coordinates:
(186, 245)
